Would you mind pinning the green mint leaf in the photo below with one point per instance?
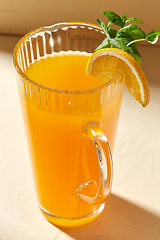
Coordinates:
(134, 49)
(136, 57)
(155, 32)
(136, 20)
(109, 24)
(113, 18)
(133, 30)
(112, 32)
(117, 43)
(152, 36)
(102, 25)
(126, 38)
(124, 17)
(104, 44)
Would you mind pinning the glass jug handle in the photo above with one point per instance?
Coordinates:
(101, 144)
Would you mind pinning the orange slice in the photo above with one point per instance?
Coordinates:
(105, 63)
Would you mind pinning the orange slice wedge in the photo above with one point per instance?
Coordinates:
(105, 63)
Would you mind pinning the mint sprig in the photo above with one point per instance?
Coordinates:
(126, 37)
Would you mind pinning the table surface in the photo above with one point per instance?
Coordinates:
(133, 209)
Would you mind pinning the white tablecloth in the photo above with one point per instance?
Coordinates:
(132, 211)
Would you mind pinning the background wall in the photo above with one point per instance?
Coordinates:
(18, 17)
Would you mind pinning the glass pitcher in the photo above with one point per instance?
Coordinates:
(70, 134)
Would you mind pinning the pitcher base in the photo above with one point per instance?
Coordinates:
(62, 222)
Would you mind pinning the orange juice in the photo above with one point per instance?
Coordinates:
(64, 70)
(62, 156)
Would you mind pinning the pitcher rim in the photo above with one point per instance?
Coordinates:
(46, 28)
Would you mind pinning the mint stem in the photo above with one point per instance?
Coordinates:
(134, 41)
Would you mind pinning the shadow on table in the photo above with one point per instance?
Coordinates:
(119, 220)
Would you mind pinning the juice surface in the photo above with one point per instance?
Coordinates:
(65, 71)
(62, 155)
